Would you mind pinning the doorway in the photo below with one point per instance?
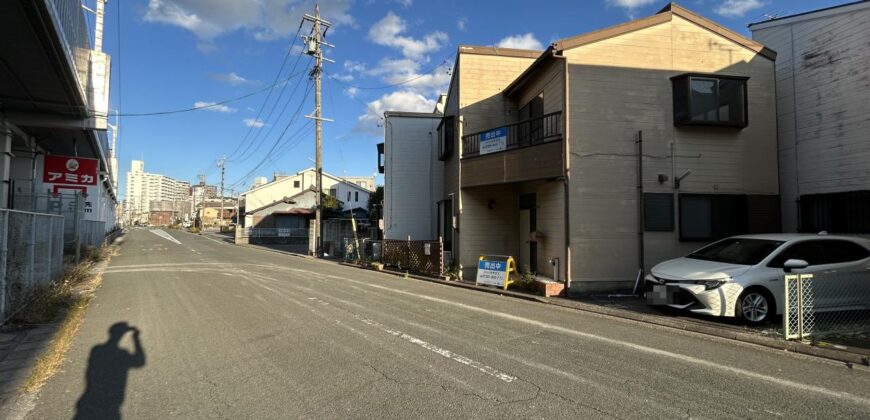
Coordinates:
(528, 253)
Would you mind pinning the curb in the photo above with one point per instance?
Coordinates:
(769, 342)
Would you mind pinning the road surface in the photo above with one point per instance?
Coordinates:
(236, 332)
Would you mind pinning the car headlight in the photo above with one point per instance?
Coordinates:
(712, 284)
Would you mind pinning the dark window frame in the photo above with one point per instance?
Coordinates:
(652, 227)
(682, 96)
(446, 137)
(296, 183)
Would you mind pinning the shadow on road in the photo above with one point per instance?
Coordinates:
(108, 366)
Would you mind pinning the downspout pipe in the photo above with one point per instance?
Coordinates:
(641, 270)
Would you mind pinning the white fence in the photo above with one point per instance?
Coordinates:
(31, 256)
(829, 303)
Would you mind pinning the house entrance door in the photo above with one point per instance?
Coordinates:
(528, 256)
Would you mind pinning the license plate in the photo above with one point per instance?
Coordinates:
(662, 294)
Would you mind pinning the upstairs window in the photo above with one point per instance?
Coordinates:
(710, 100)
(446, 131)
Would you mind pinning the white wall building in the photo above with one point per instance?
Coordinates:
(822, 93)
(347, 189)
(143, 187)
(412, 175)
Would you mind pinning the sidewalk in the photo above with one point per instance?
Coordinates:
(19, 350)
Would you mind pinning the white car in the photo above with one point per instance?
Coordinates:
(742, 276)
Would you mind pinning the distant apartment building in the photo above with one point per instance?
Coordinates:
(822, 90)
(606, 153)
(144, 188)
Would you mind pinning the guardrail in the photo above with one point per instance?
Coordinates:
(31, 256)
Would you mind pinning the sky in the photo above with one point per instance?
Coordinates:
(174, 55)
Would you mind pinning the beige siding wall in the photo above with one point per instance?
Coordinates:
(550, 217)
(621, 85)
(477, 99)
(550, 80)
(482, 78)
(487, 231)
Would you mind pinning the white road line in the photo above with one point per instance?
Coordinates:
(638, 347)
(164, 235)
(438, 350)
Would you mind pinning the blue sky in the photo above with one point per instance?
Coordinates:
(177, 54)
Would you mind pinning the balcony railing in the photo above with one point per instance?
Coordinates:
(525, 133)
(69, 17)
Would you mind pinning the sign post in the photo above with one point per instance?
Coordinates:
(495, 270)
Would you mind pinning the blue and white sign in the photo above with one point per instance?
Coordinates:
(493, 141)
(493, 273)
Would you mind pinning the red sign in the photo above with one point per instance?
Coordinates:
(69, 170)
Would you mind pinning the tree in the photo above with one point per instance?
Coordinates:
(331, 206)
(376, 201)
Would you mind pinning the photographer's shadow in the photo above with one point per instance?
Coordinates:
(108, 366)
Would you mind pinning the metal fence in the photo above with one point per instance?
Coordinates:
(31, 256)
(823, 304)
(423, 257)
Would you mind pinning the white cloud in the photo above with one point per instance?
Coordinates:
(345, 78)
(406, 3)
(296, 49)
(356, 66)
(403, 100)
(214, 107)
(253, 122)
(630, 5)
(737, 8)
(524, 42)
(430, 83)
(264, 19)
(460, 23)
(387, 32)
(232, 78)
(351, 91)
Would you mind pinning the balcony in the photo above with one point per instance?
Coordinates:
(525, 133)
(523, 151)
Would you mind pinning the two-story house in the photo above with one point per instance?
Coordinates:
(610, 151)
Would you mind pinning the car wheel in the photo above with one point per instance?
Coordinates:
(755, 307)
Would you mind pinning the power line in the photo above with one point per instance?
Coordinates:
(244, 154)
(277, 76)
(196, 108)
(404, 82)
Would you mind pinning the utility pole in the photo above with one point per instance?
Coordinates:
(313, 44)
(221, 164)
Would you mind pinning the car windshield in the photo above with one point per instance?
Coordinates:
(737, 251)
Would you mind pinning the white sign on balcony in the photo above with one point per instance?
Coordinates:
(493, 141)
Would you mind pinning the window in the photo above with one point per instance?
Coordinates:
(295, 184)
(822, 251)
(446, 131)
(737, 251)
(710, 100)
(356, 196)
(658, 212)
(381, 158)
(533, 110)
(348, 196)
(333, 192)
(843, 212)
(705, 217)
(813, 252)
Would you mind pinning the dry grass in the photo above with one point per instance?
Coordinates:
(66, 299)
(49, 363)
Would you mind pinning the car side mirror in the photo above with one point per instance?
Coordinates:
(795, 264)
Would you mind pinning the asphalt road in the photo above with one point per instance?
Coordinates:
(233, 332)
